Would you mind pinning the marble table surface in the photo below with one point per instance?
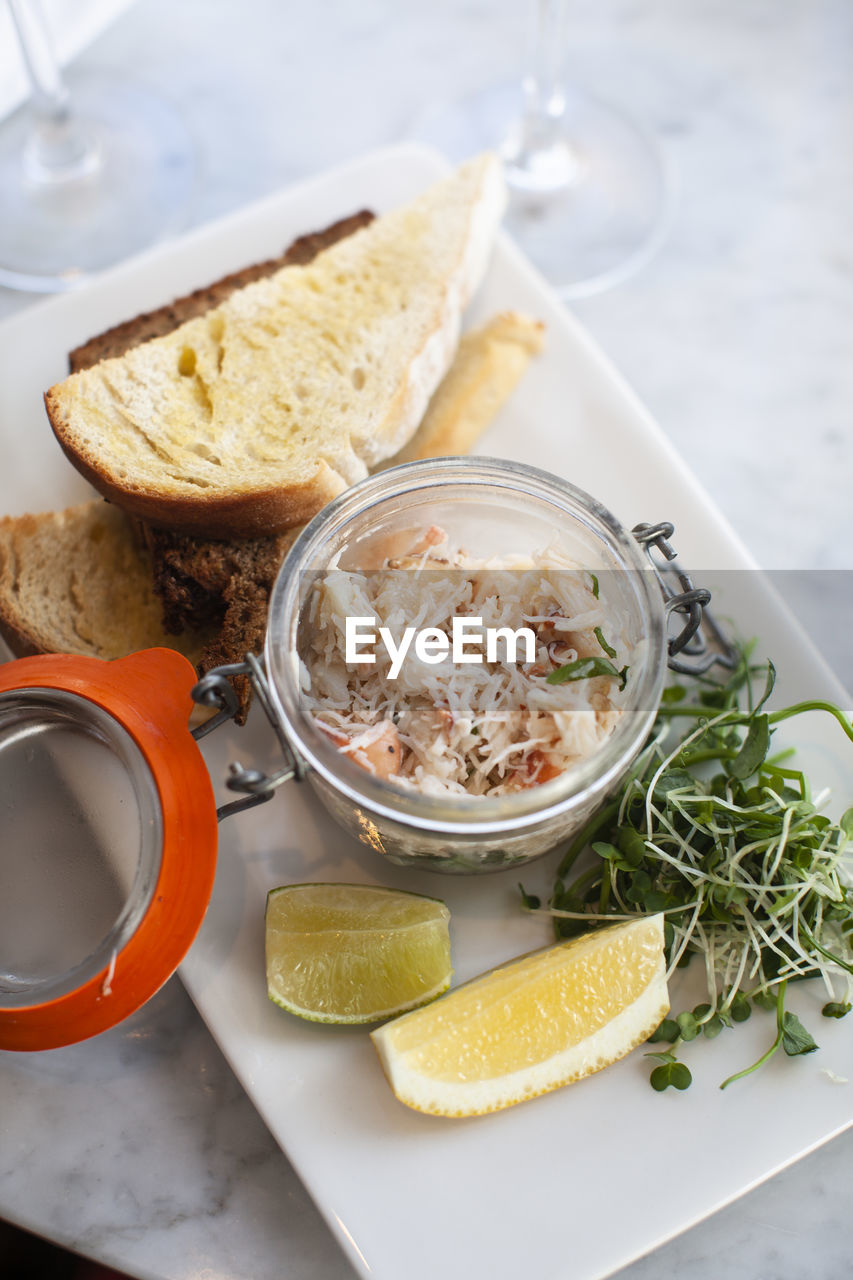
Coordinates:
(140, 1148)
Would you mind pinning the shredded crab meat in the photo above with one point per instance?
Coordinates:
(377, 749)
(487, 729)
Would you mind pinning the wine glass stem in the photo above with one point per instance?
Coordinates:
(59, 148)
(538, 154)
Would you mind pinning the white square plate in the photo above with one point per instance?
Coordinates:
(576, 1183)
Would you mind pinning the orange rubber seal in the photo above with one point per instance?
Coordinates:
(148, 694)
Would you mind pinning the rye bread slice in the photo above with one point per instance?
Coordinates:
(155, 324)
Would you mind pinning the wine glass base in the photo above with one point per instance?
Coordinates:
(608, 218)
(54, 235)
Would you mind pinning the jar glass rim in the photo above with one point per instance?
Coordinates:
(351, 514)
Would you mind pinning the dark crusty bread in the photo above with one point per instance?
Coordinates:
(222, 588)
(80, 581)
(154, 324)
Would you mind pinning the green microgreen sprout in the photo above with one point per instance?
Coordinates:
(722, 835)
(581, 669)
(791, 1035)
(670, 1073)
(608, 648)
(836, 1009)
(584, 668)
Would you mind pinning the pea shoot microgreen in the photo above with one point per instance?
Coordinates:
(723, 836)
(608, 648)
(583, 668)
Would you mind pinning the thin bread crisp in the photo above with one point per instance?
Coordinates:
(489, 363)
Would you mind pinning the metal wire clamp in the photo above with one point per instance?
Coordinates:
(216, 690)
(700, 644)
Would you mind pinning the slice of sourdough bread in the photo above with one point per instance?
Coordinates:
(246, 420)
(81, 581)
(78, 581)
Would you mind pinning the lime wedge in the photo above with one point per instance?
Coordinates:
(354, 953)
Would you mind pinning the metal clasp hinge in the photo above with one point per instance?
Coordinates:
(700, 644)
(216, 690)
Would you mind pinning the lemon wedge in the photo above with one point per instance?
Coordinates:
(539, 1022)
(354, 952)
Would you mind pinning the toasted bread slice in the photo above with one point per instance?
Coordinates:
(78, 581)
(246, 420)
